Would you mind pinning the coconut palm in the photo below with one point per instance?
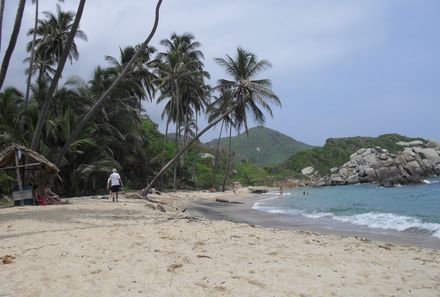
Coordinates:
(181, 81)
(51, 39)
(64, 54)
(12, 41)
(249, 95)
(105, 95)
(216, 110)
(2, 9)
(140, 79)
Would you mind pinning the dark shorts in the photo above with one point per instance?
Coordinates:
(114, 189)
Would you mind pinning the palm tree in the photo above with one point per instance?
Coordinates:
(181, 80)
(215, 110)
(12, 41)
(11, 104)
(141, 77)
(105, 95)
(247, 92)
(31, 63)
(60, 67)
(51, 35)
(2, 9)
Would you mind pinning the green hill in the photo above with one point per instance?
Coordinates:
(337, 151)
(262, 145)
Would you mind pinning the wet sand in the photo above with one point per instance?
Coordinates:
(243, 213)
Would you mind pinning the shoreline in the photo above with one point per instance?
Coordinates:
(244, 213)
(94, 247)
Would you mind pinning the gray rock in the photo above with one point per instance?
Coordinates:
(370, 159)
(361, 151)
(371, 173)
(354, 179)
(402, 143)
(416, 143)
(345, 172)
(359, 160)
(336, 179)
(431, 154)
(437, 169)
(433, 144)
(383, 156)
(308, 170)
(417, 149)
(334, 169)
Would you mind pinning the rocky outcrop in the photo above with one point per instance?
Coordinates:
(308, 170)
(415, 162)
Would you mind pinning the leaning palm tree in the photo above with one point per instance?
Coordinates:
(216, 110)
(12, 41)
(2, 9)
(106, 94)
(248, 93)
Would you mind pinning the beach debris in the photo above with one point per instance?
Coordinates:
(173, 267)
(227, 201)
(258, 190)
(386, 246)
(203, 256)
(7, 259)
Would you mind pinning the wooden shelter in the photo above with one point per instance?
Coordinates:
(19, 157)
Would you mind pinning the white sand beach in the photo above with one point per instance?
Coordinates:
(94, 247)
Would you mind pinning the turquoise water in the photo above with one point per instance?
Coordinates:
(414, 208)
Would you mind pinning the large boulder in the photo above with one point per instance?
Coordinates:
(308, 170)
(334, 169)
(402, 143)
(431, 154)
(354, 179)
(337, 179)
(437, 169)
(370, 159)
(416, 143)
(433, 144)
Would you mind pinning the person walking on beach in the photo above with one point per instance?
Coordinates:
(114, 182)
(281, 190)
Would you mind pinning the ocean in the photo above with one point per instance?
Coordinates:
(411, 209)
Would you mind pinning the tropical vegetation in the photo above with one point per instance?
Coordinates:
(69, 124)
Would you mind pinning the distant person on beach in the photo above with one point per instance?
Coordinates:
(281, 191)
(114, 183)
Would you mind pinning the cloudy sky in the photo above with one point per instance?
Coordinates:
(341, 67)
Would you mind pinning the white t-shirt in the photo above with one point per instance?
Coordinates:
(114, 179)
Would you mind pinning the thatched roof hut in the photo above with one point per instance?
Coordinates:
(7, 158)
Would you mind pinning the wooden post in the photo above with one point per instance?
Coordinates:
(20, 185)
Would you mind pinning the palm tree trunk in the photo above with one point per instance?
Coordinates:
(176, 145)
(176, 137)
(164, 150)
(228, 162)
(144, 191)
(214, 182)
(2, 9)
(31, 65)
(12, 41)
(106, 94)
(45, 108)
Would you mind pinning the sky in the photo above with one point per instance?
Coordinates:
(341, 68)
